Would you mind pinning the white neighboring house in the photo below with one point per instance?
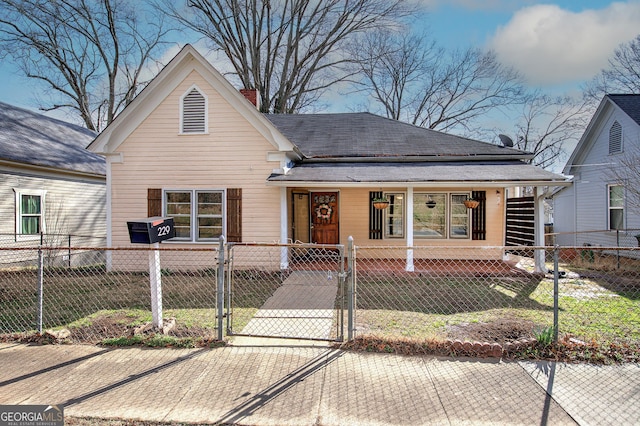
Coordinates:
(598, 200)
(49, 182)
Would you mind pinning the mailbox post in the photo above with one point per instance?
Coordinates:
(153, 230)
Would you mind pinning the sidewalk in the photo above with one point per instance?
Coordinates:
(313, 386)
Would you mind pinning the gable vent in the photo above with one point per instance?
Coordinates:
(193, 112)
(615, 138)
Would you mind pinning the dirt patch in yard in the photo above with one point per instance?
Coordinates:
(501, 331)
(119, 325)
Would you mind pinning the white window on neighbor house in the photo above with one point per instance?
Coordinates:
(29, 211)
(616, 207)
(615, 138)
(198, 215)
(193, 112)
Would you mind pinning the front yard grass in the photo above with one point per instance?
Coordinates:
(96, 305)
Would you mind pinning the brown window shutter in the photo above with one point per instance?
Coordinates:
(154, 202)
(479, 216)
(375, 217)
(234, 215)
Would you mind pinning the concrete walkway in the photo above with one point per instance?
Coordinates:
(303, 307)
(314, 386)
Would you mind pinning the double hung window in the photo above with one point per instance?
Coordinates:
(198, 214)
(440, 215)
(29, 212)
(616, 207)
(394, 216)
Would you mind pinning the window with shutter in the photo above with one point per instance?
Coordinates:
(194, 112)
(199, 215)
(615, 138)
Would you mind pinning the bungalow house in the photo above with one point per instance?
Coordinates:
(192, 147)
(599, 208)
(49, 183)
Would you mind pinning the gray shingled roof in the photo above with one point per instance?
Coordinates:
(630, 104)
(31, 138)
(478, 171)
(369, 135)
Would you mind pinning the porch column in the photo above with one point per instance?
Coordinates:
(284, 252)
(409, 210)
(539, 255)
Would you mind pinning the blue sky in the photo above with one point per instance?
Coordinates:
(556, 45)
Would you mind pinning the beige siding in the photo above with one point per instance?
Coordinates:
(354, 220)
(232, 155)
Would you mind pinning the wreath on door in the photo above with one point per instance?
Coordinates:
(323, 211)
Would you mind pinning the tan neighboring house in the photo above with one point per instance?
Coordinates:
(52, 190)
(192, 147)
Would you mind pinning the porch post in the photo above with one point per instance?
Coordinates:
(409, 210)
(284, 252)
(538, 197)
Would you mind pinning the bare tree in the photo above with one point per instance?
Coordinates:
(416, 81)
(547, 125)
(291, 51)
(89, 53)
(388, 70)
(622, 74)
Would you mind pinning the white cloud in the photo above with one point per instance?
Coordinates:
(552, 46)
(488, 5)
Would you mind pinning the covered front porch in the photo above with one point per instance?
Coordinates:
(326, 215)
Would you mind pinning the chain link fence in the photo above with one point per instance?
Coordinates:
(629, 237)
(64, 250)
(486, 301)
(459, 295)
(108, 295)
(494, 296)
(60, 241)
(293, 291)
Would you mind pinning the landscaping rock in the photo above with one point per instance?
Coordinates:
(57, 335)
(168, 326)
(496, 350)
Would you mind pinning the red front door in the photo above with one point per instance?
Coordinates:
(324, 218)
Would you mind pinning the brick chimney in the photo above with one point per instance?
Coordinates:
(252, 96)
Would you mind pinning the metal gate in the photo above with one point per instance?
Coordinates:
(294, 291)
